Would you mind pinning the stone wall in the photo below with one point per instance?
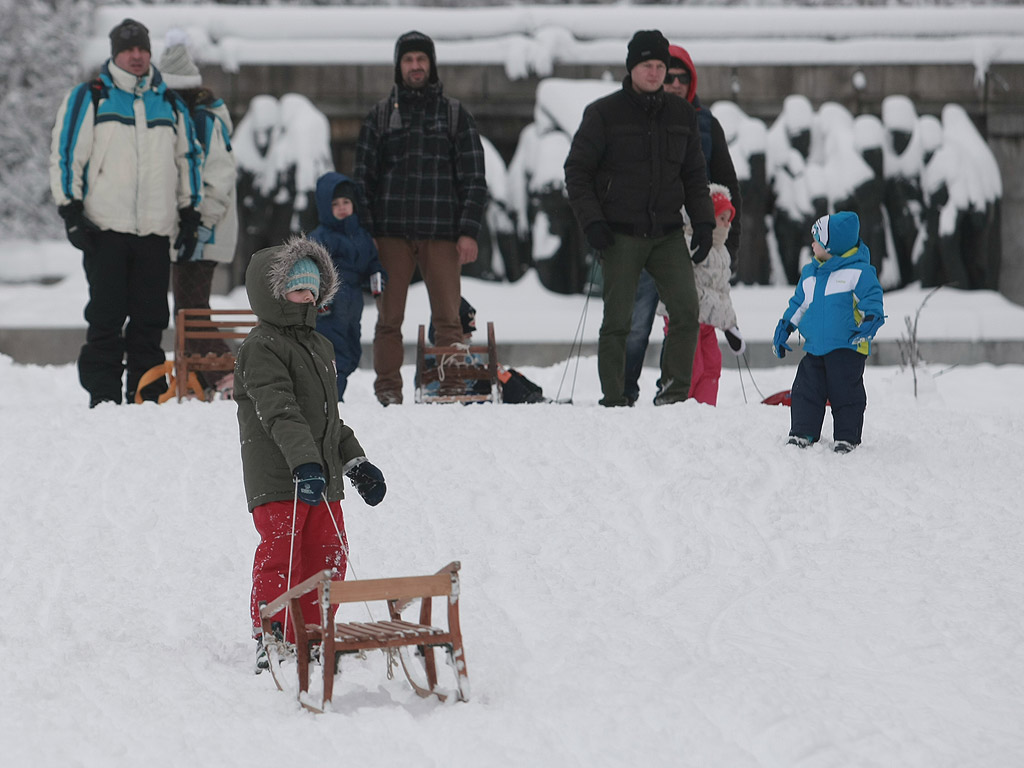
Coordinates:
(503, 107)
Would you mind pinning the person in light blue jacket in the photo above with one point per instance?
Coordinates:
(125, 168)
(837, 306)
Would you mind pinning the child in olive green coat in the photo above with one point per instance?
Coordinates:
(295, 447)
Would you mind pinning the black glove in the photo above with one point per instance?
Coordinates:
(81, 230)
(188, 233)
(310, 480)
(599, 235)
(701, 242)
(736, 342)
(368, 482)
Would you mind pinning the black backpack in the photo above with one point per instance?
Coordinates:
(516, 388)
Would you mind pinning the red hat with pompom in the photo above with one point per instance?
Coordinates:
(722, 200)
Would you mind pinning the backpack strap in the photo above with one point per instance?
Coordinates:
(383, 113)
(453, 118)
(385, 107)
(98, 90)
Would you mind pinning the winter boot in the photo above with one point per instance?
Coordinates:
(844, 446)
(799, 441)
(262, 662)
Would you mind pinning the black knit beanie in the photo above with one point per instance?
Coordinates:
(415, 41)
(128, 34)
(647, 44)
(344, 189)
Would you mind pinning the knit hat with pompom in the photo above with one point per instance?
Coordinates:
(722, 200)
(176, 65)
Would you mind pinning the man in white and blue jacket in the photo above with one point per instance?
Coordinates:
(125, 174)
(838, 308)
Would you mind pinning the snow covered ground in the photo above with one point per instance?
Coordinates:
(641, 586)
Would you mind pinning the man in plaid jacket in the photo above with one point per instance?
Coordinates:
(420, 167)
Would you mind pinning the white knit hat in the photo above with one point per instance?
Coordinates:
(176, 65)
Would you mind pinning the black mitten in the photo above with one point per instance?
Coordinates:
(188, 233)
(310, 481)
(80, 229)
(599, 235)
(368, 482)
(702, 240)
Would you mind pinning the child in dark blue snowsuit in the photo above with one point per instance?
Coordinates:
(355, 257)
(838, 308)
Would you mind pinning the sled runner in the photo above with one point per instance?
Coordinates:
(455, 369)
(412, 642)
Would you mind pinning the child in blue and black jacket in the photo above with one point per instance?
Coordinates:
(355, 257)
(838, 308)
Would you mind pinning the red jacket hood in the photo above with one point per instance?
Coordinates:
(681, 54)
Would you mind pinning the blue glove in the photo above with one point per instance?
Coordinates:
(868, 328)
(310, 480)
(368, 482)
(204, 236)
(782, 331)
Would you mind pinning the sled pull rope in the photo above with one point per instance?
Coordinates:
(344, 548)
(743, 389)
(750, 373)
(291, 548)
(388, 652)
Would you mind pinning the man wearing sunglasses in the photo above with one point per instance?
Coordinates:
(634, 164)
(681, 80)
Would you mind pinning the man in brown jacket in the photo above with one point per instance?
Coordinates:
(635, 162)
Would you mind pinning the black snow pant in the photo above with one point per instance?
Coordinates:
(128, 280)
(836, 378)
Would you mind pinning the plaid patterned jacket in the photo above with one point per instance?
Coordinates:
(417, 182)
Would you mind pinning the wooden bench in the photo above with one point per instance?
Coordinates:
(438, 371)
(394, 635)
(193, 325)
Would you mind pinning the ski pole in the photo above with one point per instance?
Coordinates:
(577, 340)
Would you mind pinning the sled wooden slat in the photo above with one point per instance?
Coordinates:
(392, 634)
(206, 324)
(428, 374)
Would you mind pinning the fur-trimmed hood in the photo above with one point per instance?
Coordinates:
(267, 275)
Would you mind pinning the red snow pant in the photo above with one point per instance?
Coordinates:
(707, 367)
(316, 547)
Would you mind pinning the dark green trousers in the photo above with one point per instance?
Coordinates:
(667, 259)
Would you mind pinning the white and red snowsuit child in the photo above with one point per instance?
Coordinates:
(716, 309)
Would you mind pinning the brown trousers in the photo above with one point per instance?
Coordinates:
(438, 261)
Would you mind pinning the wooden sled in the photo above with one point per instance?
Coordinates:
(206, 324)
(412, 642)
(454, 378)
